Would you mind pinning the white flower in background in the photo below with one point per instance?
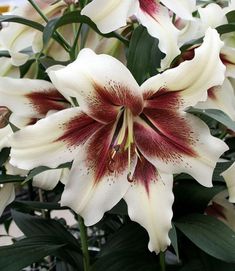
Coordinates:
(127, 140)
(113, 14)
(17, 37)
(229, 177)
(223, 210)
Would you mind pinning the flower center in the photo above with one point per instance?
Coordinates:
(123, 138)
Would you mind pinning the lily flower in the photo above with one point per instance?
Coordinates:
(127, 140)
(16, 37)
(112, 15)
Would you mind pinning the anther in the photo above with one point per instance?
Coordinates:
(129, 179)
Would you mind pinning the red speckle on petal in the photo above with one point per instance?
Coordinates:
(79, 129)
(47, 100)
(149, 6)
(163, 99)
(107, 101)
(166, 136)
(145, 173)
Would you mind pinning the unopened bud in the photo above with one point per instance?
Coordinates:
(4, 116)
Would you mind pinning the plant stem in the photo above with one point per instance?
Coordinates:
(162, 261)
(65, 44)
(84, 243)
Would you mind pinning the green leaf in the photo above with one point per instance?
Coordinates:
(210, 235)
(126, 261)
(34, 226)
(226, 28)
(76, 17)
(4, 154)
(36, 205)
(49, 30)
(21, 20)
(193, 197)
(41, 169)
(217, 115)
(174, 241)
(143, 55)
(4, 53)
(10, 178)
(27, 251)
(231, 16)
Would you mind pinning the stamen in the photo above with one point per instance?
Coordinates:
(129, 179)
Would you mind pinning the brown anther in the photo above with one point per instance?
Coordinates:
(4, 116)
(110, 165)
(116, 148)
(129, 179)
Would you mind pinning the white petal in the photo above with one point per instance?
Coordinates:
(212, 16)
(172, 148)
(182, 8)
(221, 98)
(30, 98)
(7, 69)
(18, 59)
(228, 58)
(51, 141)
(100, 83)
(191, 79)
(153, 209)
(93, 188)
(229, 177)
(48, 179)
(5, 133)
(7, 195)
(161, 27)
(109, 15)
(89, 199)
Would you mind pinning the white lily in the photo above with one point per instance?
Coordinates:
(127, 140)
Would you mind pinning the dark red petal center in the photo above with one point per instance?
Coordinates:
(47, 100)
(149, 6)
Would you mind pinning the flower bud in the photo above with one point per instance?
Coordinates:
(4, 116)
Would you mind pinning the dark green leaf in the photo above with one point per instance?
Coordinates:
(126, 261)
(191, 197)
(143, 55)
(226, 28)
(76, 17)
(125, 239)
(34, 226)
(10, 178)
(231, 16)
(21, 20)
(4, 53)
(49, 30)
(41, 169)
(27, 251)
(174, 241)
(4, 154)
(210, 235)
(36, 205)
